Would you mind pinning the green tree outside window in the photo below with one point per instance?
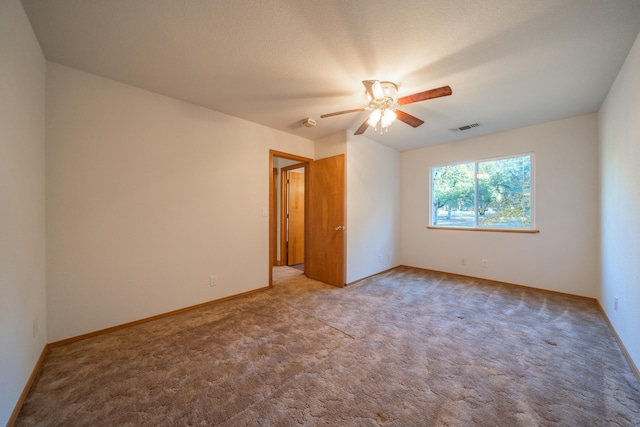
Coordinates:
(493, 194)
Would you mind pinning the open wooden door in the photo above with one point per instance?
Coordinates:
(295, 216)
(325, 254)
(273, 216)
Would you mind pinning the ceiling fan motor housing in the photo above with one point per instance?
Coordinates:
(385, 95)
(389, 90)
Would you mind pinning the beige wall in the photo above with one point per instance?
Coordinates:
(372, 232)
(620, 203)
(147, 197)
(331, 145)
(373, 207)
(22, 204)
(563, 257)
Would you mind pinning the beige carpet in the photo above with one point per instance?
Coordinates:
(405, 348)
(285, 272)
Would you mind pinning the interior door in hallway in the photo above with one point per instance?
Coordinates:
(325, 259)
(295, 217)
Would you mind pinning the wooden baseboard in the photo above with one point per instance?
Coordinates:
(149, 319)
(25, 392)
(632, 365)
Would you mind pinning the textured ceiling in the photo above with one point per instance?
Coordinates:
(510, 63)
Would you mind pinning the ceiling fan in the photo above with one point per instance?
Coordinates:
(384, 101)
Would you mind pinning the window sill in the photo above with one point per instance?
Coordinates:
(499, 230)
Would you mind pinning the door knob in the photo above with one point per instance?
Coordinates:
(340, 228)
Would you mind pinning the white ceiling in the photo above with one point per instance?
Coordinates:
(510, 63)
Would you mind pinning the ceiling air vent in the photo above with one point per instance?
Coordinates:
(465, 127)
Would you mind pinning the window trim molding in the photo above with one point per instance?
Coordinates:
(500, 230)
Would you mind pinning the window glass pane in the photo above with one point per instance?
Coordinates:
(504, 193)
(494, 193)
(453, 195)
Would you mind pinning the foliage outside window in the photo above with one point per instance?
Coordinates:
(486, 194)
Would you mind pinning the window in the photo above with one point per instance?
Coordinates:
(494, 194)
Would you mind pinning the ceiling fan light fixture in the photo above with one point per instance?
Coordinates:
(383, 117)
(383, 104)
(387, 118)
(374, 118)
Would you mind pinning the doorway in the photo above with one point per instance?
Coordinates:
(287, 199)
(323, 236)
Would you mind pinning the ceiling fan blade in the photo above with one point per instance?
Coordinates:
(423, 96)
(408, 119)
(362, 128)
(355, 110)
(368, 84)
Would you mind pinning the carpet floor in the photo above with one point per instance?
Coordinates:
(408, 347)
(284, 272)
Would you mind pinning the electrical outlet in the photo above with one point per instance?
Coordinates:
(213, 280)
(379, 258)
(463, 261)
(35, 328)
(485, 263)
(615, 303)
